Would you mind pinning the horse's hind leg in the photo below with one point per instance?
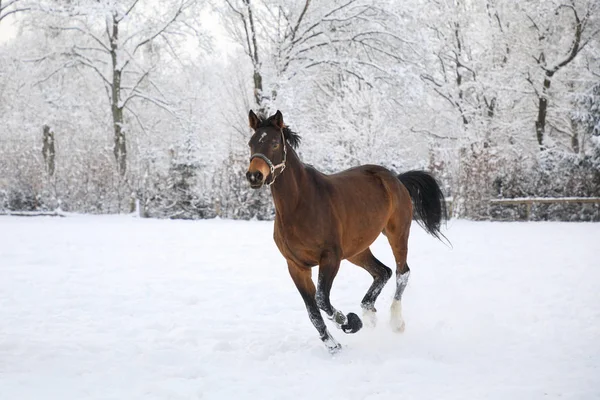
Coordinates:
(397, 234)
(380, 273)
(396, 320)
(328, 269)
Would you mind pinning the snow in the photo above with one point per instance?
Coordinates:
(117, 307)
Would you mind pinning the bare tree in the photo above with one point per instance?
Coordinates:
(116, 43)
(248, 37)
(349, 37)
(457, 76)
(578, 36)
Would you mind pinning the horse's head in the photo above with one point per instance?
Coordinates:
(267, 149)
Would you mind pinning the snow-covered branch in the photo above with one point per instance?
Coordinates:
(12, 7)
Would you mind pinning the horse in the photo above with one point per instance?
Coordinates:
(323, 219)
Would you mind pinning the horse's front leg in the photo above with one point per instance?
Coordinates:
(328, 268)
(302, 278)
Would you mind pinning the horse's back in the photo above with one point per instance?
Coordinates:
(365, 169)
(363, 199)
(372, 182)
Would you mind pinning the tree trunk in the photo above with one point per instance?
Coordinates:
(574, 126)
(540, 123)
(120, 145)
(258, 85)
(459, 76)
(575, 141)
(48, 150)
(258, 89)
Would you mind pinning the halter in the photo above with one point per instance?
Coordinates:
(270, 163)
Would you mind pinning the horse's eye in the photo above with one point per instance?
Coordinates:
(275, 146)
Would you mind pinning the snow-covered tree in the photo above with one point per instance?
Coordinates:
(118, 41)
(454, 87)
(561, 31)
(287, 40)
(587, 115)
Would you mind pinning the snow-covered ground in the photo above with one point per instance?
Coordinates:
(116, 307)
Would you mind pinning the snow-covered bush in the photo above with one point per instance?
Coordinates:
(233, 196)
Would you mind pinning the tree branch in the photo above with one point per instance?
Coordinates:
(137, 118)
(16, 10)
(156, 102)
(128, 11)
(243, 19)
(575, 46)
(435, 135)
(9, 4)
(161, 30)
(134, 88)
(300, 18)
(85, 32)
(67, 64)
(339, 66)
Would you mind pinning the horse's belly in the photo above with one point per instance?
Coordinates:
(357, 243)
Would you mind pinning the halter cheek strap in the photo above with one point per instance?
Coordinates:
(273, 167)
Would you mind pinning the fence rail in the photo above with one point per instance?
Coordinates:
(529, 201)
(33, 213)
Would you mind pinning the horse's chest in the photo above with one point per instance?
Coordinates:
(297, 245)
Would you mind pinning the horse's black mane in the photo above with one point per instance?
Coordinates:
(290, 136)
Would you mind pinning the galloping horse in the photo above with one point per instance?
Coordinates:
(323, 219)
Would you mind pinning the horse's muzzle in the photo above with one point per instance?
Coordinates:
(255, 178)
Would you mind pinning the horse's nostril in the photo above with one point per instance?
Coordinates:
(254, 177)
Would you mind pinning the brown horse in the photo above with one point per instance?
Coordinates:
(323, 219)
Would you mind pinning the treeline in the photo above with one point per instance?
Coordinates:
(111, 106)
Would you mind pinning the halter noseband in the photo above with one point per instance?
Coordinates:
(273, 167)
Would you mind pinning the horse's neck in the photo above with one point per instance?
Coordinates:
(288, 187)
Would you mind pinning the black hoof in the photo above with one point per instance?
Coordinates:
(353, 324)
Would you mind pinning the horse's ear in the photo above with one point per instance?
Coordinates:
(278, 119)
(252, 120)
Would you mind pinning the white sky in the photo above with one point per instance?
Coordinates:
(7, 31)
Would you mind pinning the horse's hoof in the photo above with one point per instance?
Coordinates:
(339, 318)
(332, 345)
(396, 320)
(334, 350)
(353, 324)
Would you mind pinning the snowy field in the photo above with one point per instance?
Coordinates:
(116, 307)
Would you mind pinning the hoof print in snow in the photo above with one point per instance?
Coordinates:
(353, 324)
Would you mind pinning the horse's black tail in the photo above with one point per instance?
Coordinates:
(429, 205)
